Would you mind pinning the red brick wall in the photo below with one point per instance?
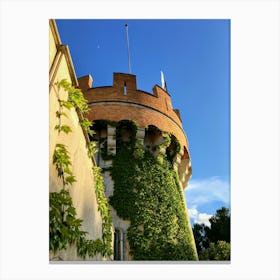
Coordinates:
(159, 100)
(142, 116)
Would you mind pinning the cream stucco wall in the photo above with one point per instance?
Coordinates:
(52, 48)
(82, 191)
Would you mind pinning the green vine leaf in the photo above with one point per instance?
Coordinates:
(63, 84)
(64, 226)
(69, 180)
(92, 149)
(65, 128)
(61, 160)
(77, 99)
(86, 124)
(59, 114)
(66, 104)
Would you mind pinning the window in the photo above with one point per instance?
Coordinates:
(124, 89)
(100, 137)
(119, 245)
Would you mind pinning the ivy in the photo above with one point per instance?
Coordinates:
(103, 208)
(104, 150)
(173, 149)
(89, 247)
(66, 104)
(148, 194)
(126, 126)
(75, 100)
(62, 163)
(92, 149)
(63, 128)
(86, 124)
(75, 97)
(64, 226)
(102, 122)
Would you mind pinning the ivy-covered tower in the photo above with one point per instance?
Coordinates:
(144, 154)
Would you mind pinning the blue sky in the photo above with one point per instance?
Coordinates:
(195, 58)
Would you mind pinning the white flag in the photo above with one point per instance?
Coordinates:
(162, 80)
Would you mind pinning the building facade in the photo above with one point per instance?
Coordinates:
(123, 101)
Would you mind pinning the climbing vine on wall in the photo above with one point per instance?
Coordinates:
(148, 194)
(64, 226)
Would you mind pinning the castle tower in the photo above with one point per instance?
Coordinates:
(120, 112)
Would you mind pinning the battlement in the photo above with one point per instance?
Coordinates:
(122, 81)
(123, 101)
(124, 89)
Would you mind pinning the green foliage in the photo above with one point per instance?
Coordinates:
(100, 123)
(92, 149)
(90, 247)
(220, 226)
(201, 239)
(64, 226)
(121, 128)
(64, 128)
(86, 124)
(104, 152)
(62, 163)
(103, 208)
(173, 150)
(219, 251)
(214, 239)
(75, 96)
(147, 193)
(66, 104)
(59, 114)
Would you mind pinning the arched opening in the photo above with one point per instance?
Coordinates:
(152, 139)
(184, 167)
(160, 142)
(100, 137)
(173, 149)
(125, 134)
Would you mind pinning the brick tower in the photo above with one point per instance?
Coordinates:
(123, 101)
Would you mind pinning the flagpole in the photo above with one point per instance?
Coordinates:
(128, 51)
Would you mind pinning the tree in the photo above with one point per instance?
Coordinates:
(220, 226)
(219, 251)
(200, 237)
(213, 243)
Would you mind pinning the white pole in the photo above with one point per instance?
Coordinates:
(128, 51)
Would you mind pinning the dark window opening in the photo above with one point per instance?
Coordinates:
(119, 245)
(123, 135)
(100, 137)
(124, 88)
